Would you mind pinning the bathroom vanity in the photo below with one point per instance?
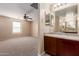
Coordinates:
(65, 40)
(61, 45)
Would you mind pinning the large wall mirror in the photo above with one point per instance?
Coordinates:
(67, 20)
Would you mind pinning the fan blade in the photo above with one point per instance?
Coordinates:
(29, 18)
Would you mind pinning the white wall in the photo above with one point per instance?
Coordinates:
(78, 17)
(38, 25)
(35, 17)
(43, 7)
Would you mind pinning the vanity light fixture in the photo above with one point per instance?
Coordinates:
(57, 5)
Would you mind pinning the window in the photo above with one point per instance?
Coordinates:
(16, 27)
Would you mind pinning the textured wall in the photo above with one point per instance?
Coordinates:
(6, 28)
(42, 28)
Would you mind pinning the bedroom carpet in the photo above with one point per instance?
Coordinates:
(25, 46)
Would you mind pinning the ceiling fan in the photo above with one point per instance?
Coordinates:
(27, 18)
(35, 6)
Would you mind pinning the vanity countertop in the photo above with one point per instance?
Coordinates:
(64, 36)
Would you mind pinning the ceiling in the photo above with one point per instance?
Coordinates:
(15, 10)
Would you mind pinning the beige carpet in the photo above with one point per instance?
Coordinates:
(25, 46)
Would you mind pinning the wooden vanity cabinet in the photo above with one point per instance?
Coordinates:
(61, 47)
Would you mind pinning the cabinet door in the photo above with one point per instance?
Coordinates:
(50, 45)
(70, 48)
(60, 46)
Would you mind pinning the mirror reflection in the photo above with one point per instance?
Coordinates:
(66, 20)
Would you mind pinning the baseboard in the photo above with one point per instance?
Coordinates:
(42, 53)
